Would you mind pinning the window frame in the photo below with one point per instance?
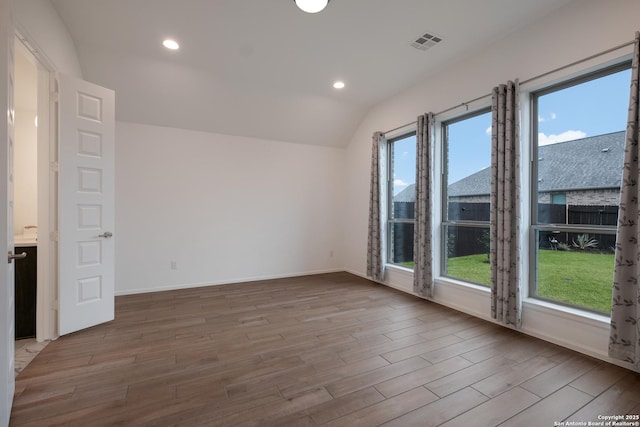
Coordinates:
(390, 220)
(445, 222)
(534, 226)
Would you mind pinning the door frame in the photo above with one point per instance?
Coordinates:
(46, 317)
(47, 275)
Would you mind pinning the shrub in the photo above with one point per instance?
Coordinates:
(485, 243)
(585, 241)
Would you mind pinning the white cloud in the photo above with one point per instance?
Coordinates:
(569, 135)
(552, 116)
(488, 131)
(399, 183)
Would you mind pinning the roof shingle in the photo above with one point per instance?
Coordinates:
(582, 164)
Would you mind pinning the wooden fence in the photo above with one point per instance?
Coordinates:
(462, 241)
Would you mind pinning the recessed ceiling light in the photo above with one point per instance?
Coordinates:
(338, 85)
(171, 44)
(312, 6)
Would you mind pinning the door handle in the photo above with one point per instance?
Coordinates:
(106, 234)
(13, 256)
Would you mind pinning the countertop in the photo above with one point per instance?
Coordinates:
(22, 242)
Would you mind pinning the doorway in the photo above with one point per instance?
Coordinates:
(25, 208)
(34, 196)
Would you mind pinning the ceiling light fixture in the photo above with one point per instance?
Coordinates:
(171, 44)
(312, 6)
(338, 85)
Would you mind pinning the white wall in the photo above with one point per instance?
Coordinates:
(39, 22)
(25, 161)
(25, 156)
(576, 31)
(224, 208)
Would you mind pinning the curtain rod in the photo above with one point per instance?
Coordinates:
(564, 67)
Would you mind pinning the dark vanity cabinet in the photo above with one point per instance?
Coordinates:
(25, 284)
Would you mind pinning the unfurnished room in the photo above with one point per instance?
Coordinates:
(320, 213)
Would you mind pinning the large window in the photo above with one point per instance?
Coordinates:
(578, 134)
(571, 170)
(466, 189)
(401, 198)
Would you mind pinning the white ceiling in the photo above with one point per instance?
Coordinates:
(263, 68)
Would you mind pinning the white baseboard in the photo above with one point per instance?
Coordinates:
(174, 287)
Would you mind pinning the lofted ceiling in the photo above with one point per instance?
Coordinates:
(263, 68)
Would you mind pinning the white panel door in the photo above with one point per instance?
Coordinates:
(7, 292)
(85, 204)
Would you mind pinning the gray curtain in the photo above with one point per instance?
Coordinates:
(422, 236)
(506, 303)
(624, 340)
(375, 244)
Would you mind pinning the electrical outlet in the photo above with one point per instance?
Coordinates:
(174, 265)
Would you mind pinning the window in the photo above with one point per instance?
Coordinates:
(401, 198)
(466, 189)
(578, 134)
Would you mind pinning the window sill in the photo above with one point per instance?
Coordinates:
(564, 311)
(399, 268)
(454, 282)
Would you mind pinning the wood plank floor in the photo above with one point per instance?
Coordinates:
(330, 350)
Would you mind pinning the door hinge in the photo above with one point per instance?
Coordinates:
(55, 305)
(54, 167)
(54, 236)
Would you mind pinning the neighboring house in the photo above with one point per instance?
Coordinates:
(403, 203)
(579, 184)
(583, 172)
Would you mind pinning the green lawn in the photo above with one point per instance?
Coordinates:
(574, 277)
(470, 268)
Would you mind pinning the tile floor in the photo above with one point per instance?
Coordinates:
(26, 351)
(325, 350)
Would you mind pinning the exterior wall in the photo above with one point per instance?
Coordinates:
(471, 199)
(609, 197)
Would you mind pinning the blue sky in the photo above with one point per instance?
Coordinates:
(593, 108)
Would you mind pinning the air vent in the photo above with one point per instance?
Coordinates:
(426, 41)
